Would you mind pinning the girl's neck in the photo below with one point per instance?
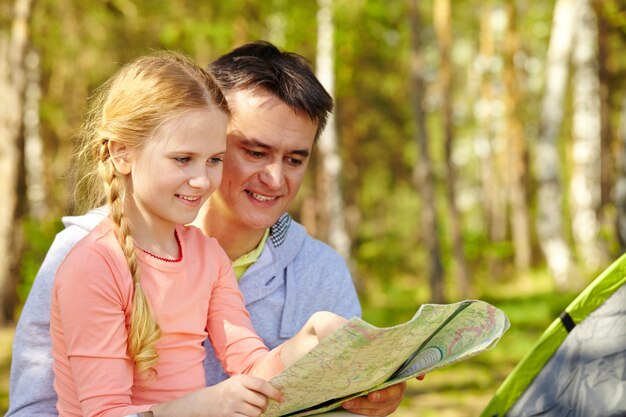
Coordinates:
(156, 238)
(168, 259)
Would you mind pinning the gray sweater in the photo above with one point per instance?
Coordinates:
(294, 276)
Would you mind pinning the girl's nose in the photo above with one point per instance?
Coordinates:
(201, 180)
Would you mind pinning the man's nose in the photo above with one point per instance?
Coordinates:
(273, 175)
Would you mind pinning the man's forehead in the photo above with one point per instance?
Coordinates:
(258, 98)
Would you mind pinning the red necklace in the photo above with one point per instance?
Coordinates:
(180, 250)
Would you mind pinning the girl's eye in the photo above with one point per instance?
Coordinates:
(182, 159)
(215, 161)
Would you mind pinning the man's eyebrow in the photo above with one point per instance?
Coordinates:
(253, 143)
(302, 152)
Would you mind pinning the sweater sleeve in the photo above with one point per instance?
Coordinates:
(31, 390)
(88, 328)
(317, 280)
(235, 342)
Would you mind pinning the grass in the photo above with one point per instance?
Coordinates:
(465, 388)
(6, 340)
(461, 390)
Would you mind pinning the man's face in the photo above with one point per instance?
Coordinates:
(268, 149)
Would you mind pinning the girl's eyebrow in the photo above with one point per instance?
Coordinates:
(193, 153)
(183, 152)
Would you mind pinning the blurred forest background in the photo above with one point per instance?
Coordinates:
(477, 149)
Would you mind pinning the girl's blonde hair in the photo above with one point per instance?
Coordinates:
(128, 108)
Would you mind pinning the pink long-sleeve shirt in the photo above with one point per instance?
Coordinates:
(193, 298)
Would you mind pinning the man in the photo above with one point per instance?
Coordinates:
(278, 110)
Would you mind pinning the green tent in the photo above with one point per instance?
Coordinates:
(577, 368)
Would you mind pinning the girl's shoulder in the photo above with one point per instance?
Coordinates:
(99, 246)
(100, 237)
(95, 257)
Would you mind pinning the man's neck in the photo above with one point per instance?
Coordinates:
(235, 239)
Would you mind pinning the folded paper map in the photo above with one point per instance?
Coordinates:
(360, 358)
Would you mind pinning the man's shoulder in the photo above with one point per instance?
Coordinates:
(316, 245)
(304, 248)
(289, 235)
(87, 221)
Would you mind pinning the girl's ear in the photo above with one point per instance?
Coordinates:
(119, 157)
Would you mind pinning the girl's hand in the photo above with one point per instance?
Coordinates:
(239, 396)
(243, 395)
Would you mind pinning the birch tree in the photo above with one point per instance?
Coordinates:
(337, 234)
(585, 177)
(548, 161)
(13, 46)
(423, 167)
(489, 144)
(33, 143)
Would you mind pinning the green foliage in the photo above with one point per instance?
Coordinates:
(479, 249)
(385, 245)
(38, 238)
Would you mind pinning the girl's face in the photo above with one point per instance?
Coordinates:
(179, 167)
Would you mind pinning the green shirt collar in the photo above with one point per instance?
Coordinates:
(241, 264)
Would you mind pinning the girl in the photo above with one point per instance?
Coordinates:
(134, 301)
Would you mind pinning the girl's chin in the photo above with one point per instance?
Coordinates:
(186, 219)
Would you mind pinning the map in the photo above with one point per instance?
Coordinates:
(359, 357)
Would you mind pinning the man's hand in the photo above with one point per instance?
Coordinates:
(378, 403)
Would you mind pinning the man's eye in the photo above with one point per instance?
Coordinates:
(255, 154)
(295, 161)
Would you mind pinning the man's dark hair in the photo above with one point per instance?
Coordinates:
(284, 74)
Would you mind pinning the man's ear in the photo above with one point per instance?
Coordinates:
(119, 157)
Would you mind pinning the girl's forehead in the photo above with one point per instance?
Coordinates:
(195, 128)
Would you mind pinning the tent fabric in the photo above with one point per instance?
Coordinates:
(576, 373)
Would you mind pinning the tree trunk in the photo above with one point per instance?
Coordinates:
(548, 161)
(442, 20)
(331, 194)
(12, 83)
(489, 145)
(606, 137)
(423, 168)
(517, 152)
(620, 183)
(585, 176)
(36, 190)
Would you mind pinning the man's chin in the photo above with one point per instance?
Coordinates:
(260, 222)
